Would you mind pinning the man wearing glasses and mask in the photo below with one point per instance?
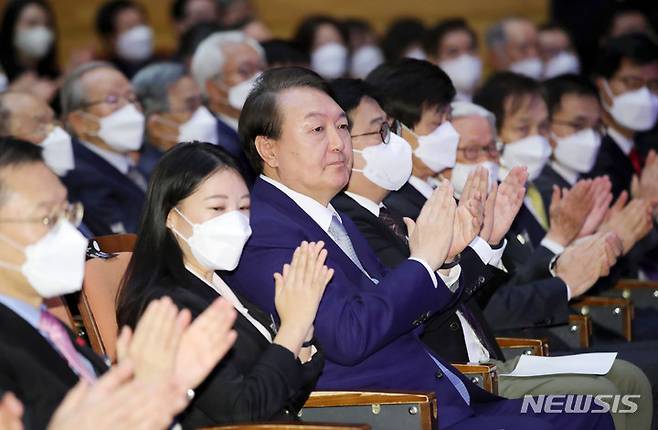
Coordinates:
(101, 111)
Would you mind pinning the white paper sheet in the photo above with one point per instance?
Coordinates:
(596, 363)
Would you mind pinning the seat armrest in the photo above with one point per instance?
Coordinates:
(537, 347)
(485, 375)
(619, 308)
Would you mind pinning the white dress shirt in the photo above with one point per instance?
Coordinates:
(624, 143)
(121, 162)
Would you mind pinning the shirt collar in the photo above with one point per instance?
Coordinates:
(121, 162)
(25, 310)
(231, 122)
(423, 187)
(624, 143)
(320, 214)
(366, 203)
(569, 175)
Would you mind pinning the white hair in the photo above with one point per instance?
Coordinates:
(465, 109)
(208, 60)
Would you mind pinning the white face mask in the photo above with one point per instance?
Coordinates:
(388, 165)
(330, 60)
(532, 152)
(364, 61)
(58, 151)
(123, 129)
(636, 110)
(135, 44)
(464, 71)
(530, 67)
(416, 53)
(561, 64)
(217, 243)
(438, 150)
(201, 126)
(35, 42)
(578, 150)
(237, 94)
(461, 171)
(55, 264)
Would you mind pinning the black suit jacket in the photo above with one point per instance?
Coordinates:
(407, 201)
(443, 332)
(33, 370)
(256, 381)
(544, 183)
(109, 196)
(612, 161)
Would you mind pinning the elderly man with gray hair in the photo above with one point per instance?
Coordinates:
(101, 111)
(513, 46)
(174, 111)
(225, 66)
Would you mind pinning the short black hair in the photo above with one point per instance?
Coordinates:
(107, 14)
(305, 33)
(349, 92)
(400, 35)
(283, 52)
(435, 35)
(408, 86)
(260, 115)
(503, 86)
(636, 47)
(15, 152)
(193, 36)
(177, 10)
(558, 87)
(620, 9)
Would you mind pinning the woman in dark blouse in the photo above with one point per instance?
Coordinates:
(195, 222)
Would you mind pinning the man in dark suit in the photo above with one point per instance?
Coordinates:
(42, 255)
(101, 111)
(460, 334)
(225, 66)
(627, 80)
(299, 137)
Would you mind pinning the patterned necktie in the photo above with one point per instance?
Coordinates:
(477, 328)
(59, 337)
(538, 205)
(394, 223)
(137, 178)
(342, 239)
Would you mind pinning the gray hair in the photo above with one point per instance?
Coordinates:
(466, 109)
(152, 84)
(209, 59)
(495, 37)
(72, 94)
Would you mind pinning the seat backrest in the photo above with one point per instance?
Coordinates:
(97, 303)
(117, 242)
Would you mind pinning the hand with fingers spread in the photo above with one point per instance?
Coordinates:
(153, 347)
(11, 412)
(602, 197)
(631, 223)
(430, 237)
(204, 343)
(508, 200)
(298, 291)
(586, 260)
(469, 214)
(568, 211)
(117, 400)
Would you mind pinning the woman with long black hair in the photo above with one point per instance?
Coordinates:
(195, 222)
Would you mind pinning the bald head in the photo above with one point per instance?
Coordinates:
(25, 116)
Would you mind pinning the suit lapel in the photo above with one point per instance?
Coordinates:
(20, 332)
(268, 194)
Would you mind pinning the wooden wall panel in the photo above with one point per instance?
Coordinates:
(75, 17)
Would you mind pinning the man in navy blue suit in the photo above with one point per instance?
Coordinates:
(101, 111)
(369, 319)
(225, 66)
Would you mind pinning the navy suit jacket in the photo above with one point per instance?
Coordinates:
(369, 332)
(229, 139)
(612, 161)
(109, 196)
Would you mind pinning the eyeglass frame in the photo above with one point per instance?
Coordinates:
(72, 212)
(598, 128)
(384, 132)
(491, 150)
